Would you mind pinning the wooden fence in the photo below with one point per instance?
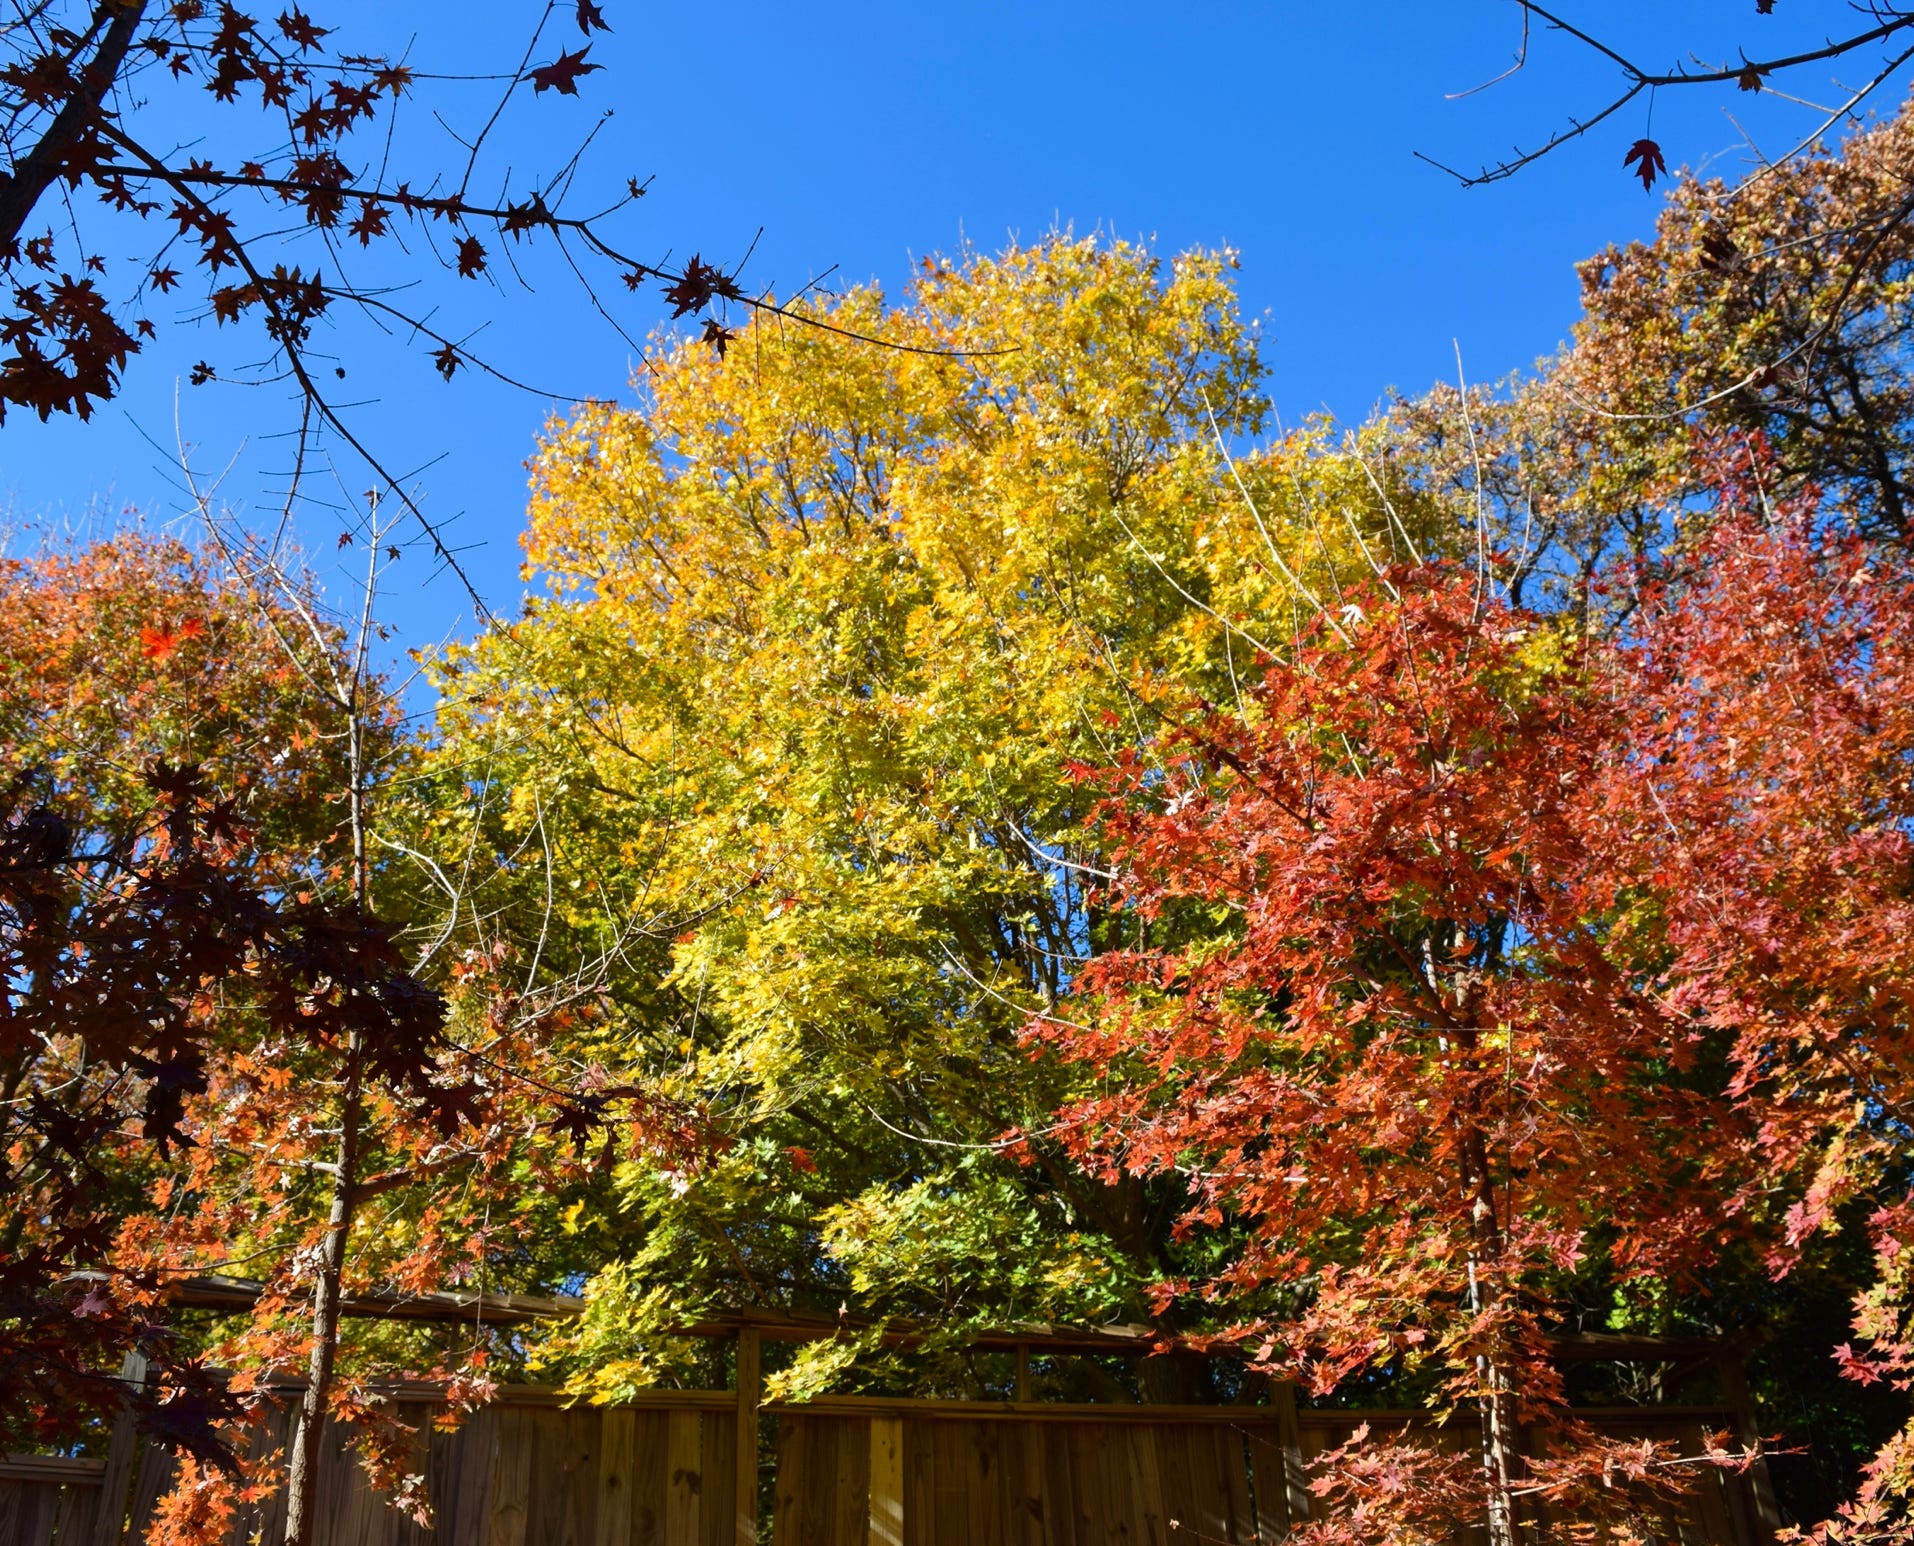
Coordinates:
(676, 1469)
(527, 1470)
(856, 1472)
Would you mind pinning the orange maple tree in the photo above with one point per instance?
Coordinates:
(216, 1053)
(1470, 958)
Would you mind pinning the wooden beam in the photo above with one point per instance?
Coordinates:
(61, 1470)
(238, 1295)
(1133, 1339)
(1021, 1411)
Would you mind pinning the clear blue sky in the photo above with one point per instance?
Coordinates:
(859, 134)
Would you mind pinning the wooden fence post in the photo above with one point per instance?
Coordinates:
(750, 1383)
(1734, 1385)
(1282, 1396)
(122, 1456)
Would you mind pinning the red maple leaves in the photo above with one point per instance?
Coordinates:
(561, 75)
(158, 642)
(1646, 157)
(1530, 959)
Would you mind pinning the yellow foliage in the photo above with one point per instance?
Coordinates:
(823, 627)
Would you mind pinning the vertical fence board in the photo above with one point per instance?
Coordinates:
(1269, 1483)
(462, 1464)
(719, 1467)
(617, 1473)
(74, 1516)
(511, 1491)
(685, 1484)
(744, 1463)
(884, 1516)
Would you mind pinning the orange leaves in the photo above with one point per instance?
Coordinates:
(157, 643)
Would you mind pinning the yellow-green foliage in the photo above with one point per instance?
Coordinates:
(823, 626)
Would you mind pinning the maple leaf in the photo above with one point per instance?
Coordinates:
(717, 335)
(561, 75)
(298, 28)
(158, 644)
(447, 361)
(698, 285)
(1749, 79)
(1764, 7)
(96, 1302)
(590, 16)
(801, 1160)
(520, 218)
(1646, 157)
(471, 258)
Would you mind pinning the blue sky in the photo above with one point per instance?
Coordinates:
(859, 135)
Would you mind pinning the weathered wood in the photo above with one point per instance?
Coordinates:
(122, 1457)
(27, 1510)
(884, 1521)
(684, 1463)
(463, 1464)
(617, 1472)
(851, 1471)
(511, 1499)
(1282, 1397)
(1025, 1411)
(850, 1485)
(1758, 1487)
(1269, 1479)
(718, 1523)
(1146, 1448)
(74, 1514)
(750, 1388)
(52, 1470)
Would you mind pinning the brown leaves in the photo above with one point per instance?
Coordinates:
(561, 75)
(1646, 157)
(697, 286)
(298, 29)
(590, 17)
(67, 349)
(471, 257)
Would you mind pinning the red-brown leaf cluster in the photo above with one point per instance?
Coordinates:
(1473, 956)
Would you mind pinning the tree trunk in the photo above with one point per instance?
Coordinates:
(302, 1463)
(1501, 1455)
(42, 166)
